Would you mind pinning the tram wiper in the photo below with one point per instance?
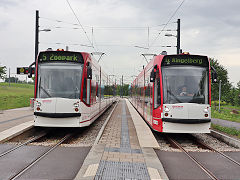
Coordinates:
(44, 90)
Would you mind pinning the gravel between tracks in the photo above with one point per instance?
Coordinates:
(189, 146)
(215, 143)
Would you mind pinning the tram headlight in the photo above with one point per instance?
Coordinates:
(167, 109)
(76, 105)
(205, 110)
(38, 104)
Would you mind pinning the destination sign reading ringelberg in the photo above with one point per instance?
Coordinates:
(185, 60)
(60, 56)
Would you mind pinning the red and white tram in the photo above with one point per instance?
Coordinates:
(173, 93)
(71, 90)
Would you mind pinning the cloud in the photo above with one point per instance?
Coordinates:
(208, 27)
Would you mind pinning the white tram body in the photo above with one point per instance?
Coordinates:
(71, 90)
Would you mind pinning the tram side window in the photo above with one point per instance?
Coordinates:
(157, 93)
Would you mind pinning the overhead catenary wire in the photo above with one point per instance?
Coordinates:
(80, 23)
(166, 24)
(107, 27)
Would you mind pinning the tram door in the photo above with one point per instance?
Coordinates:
(156, 100)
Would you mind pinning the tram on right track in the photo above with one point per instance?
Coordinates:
(173, 93)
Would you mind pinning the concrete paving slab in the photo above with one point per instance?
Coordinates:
(61, 163)
(221, 167)
(154, 164)
(144, 133)
(5, 147)
(93, 158)
(14, 131)
(13, 162)
(234, 155)
(178, 166)
(13, 117)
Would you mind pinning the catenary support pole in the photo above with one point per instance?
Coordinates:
(36, 35)
(178, 36)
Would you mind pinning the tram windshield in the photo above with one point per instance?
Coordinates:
(59, 80)
(185, 84)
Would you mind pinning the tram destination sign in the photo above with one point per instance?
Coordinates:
(193, 60)
(60, 56)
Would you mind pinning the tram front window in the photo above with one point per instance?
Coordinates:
(185, 84)
(59, 80)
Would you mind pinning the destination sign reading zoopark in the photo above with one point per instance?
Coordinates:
(60, 56)
(185, 60)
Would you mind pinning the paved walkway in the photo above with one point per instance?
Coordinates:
(118, 154)
(226, 123)
(14, 117)
(122, 157)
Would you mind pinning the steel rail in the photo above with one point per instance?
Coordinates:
(212, 149)
(208, 172)
(17, 175)
(27, 142)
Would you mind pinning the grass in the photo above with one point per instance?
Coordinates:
(226, 114)
(15, 96)
(227, 130)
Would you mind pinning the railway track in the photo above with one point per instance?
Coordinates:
(66, 139)
(204, 145)
(41, 156)
(25, 143)
(200, 144)
(174, 143)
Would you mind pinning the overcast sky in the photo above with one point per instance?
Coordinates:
(208, 27)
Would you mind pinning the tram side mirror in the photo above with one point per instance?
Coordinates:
(89, 72)
(152, 76)
(30, 72)
(214, 75)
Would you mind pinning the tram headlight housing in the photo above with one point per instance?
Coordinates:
(38, 104)
(205, 110)
(76, 105)
(167, 110)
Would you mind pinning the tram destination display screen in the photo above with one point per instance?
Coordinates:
(192, 60)
(60, 56)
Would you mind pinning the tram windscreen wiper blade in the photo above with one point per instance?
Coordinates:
(44, 90)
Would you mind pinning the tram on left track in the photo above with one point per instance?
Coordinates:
(71, 89)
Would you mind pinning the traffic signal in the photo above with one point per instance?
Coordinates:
(24, 70)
